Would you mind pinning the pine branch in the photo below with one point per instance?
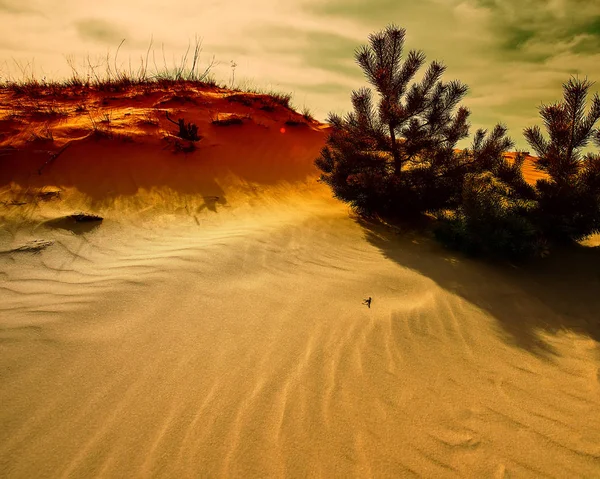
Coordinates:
(534, 137)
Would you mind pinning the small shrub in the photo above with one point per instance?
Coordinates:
(187, 131)
(100, 131)
(210, 81)
(51, 110)
(490, 222)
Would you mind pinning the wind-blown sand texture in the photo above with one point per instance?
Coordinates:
(211, 325)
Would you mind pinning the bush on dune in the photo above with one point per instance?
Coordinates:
(492, 221)
(493, 217)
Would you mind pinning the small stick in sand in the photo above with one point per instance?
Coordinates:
(368, 301)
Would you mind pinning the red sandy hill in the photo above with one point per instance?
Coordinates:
(108, 144)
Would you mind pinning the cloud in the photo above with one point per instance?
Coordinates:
(99, 30)
(16, 7)
(513, 54)
(536, 30)
(318, 49)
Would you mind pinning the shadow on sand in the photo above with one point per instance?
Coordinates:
(70, 223)
(559, 293)
(211, 202)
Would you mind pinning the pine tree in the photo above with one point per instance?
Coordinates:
(569, 199)
(397, 157)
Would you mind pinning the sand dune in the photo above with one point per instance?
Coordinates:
(212, 326)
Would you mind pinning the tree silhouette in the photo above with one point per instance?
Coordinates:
(569, 199)
(397, 157)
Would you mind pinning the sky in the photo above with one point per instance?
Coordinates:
(513, 54)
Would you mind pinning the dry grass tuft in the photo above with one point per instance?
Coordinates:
(44, 135)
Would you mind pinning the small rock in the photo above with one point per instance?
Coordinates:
(85, 217)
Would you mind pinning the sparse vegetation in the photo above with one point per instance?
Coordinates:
(37, 110)
(114, 79)
(282, 99)
(100, 131)
(51, 110)
(108, 77)
(183, 97)
(268, 107)
(271, 99)
(306, 113)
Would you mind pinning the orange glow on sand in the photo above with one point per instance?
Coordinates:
(282, 130)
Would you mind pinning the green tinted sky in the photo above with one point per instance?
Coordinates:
(513, 54)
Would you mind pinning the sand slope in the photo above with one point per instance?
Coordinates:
(240, 349)
(190, 335)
